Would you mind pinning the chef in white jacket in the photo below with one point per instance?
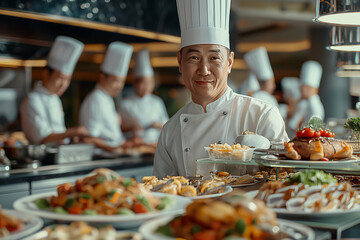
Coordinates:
(42, 116)
(310, 104)
(146, 111)
(250, 85)
(291, 92)
(259, 63)
(216, 114)
(98, 113)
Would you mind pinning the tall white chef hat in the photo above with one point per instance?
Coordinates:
(64, 54)
(311, 72)
(291, 88)
(250, 84)
(117, 59)
(142, 64)
(204, 22)
(259, 62)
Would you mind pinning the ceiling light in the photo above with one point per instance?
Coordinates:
(345, 39)
(338, 12)
(348, 60)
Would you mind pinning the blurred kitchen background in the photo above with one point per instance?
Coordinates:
(285, 27)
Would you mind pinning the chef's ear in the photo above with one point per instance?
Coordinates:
(179, 59)
(230, 61)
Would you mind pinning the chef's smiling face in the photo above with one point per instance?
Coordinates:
(204, 69)
(56, 82)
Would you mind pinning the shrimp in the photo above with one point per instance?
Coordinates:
(291, 154)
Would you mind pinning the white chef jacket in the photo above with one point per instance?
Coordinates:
(98, 114)
(145, 111)
(266, 97)
(41, 114)
(184, 136)
(305, 109)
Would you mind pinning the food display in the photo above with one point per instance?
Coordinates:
(230, 216)
(270, 174)
(103, 192)
(230, 152)
(9, 224)
(179, 185)
(81, 230)
(309, 191)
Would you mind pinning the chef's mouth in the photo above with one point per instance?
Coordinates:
(206, 82)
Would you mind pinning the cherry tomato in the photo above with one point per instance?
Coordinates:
(328, 134)
(317, 134)
(140, 208)
(300, 133)
(325, 159)
(332, 135)
(309, 132)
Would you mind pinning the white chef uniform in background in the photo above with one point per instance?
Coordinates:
(308, 106)
(250, 85)
(259, 63)
(185, 135)
(148, 109)
(42, 112)
(291, 93)
(98, 113)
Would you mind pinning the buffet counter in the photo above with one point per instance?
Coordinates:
(18, 183)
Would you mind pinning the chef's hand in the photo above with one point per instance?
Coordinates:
(78, 132)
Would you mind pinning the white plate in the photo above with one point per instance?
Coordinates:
(286, 213)
(274, 159)
(26, 204)
(227, 190)
(149, 228)
(32, 224)
(120, 235)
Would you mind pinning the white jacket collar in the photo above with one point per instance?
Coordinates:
(195, 108)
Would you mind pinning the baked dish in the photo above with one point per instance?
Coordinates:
(231, 217)
(103, 192)
(310, 191)
(9, 224)
(317, 145)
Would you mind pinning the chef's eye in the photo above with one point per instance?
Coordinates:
(193, 58)
(215, 58)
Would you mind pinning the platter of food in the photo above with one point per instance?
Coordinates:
(230, 217)
(102, 197)
(225, 151)
(82, 230)
(16, 225)
(313, 194)
(273, 159)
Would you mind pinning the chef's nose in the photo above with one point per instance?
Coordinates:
(204, 68)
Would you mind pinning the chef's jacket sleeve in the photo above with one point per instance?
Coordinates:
(316, 108)
(163, 163)
(272, 126)
(93, 121)
(34, 120)
(164, 117)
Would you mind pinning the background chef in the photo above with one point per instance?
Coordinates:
(98, 113)
(42, 116)
(144, 110)
(216, 114)
(259, 63)
(291, 93)
(250, 85)
(310, 104)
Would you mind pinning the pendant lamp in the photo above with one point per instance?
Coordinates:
(338, 12)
